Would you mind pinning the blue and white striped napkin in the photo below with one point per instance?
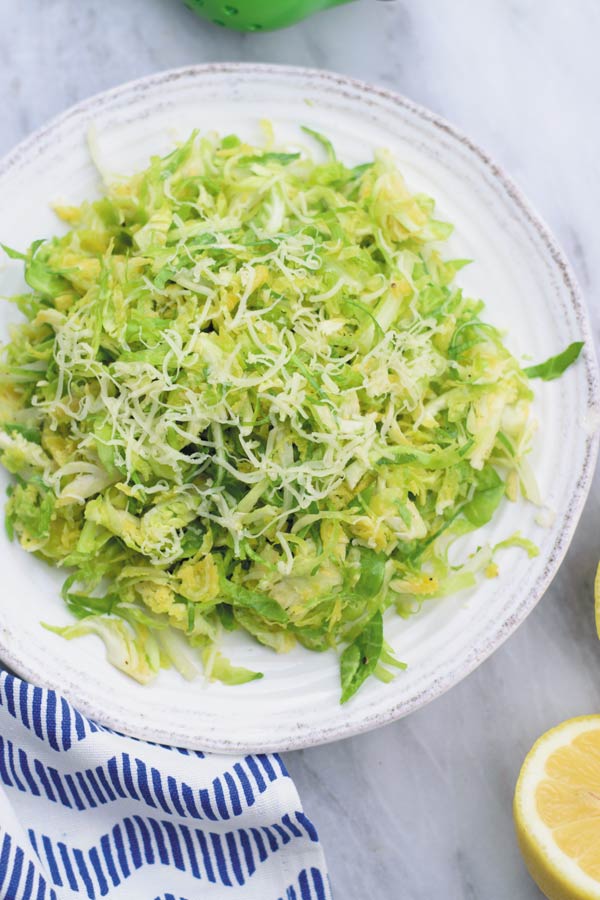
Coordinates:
(86, 812)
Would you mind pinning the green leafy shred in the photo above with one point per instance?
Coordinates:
(249, 394)
(554, 366)
(360, 658)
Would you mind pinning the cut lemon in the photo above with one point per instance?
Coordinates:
(597, 599)
(557, 810)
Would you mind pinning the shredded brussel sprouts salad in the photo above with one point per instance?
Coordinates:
(249, 395)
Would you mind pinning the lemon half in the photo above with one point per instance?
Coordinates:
(557, 810)
(597, 599)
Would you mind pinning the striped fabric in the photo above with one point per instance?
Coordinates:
(86, 812)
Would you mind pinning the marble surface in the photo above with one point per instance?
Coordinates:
(420, 810)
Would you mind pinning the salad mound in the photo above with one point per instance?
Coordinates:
(249, 395)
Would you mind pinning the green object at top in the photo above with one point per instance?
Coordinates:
(258, 15)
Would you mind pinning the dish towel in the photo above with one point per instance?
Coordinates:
(86, 812)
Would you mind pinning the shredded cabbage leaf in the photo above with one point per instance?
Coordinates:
(248, 394)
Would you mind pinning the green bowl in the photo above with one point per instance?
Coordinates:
(258, 15)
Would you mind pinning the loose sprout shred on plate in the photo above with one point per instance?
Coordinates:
(248, 394)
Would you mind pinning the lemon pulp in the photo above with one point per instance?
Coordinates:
(568, 800)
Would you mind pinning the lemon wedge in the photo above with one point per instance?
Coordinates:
(557, 810)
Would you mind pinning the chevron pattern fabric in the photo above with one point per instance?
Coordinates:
(86, 813)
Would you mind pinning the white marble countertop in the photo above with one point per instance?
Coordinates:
(420, 810)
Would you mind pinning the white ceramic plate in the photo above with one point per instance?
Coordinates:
(529, 289)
